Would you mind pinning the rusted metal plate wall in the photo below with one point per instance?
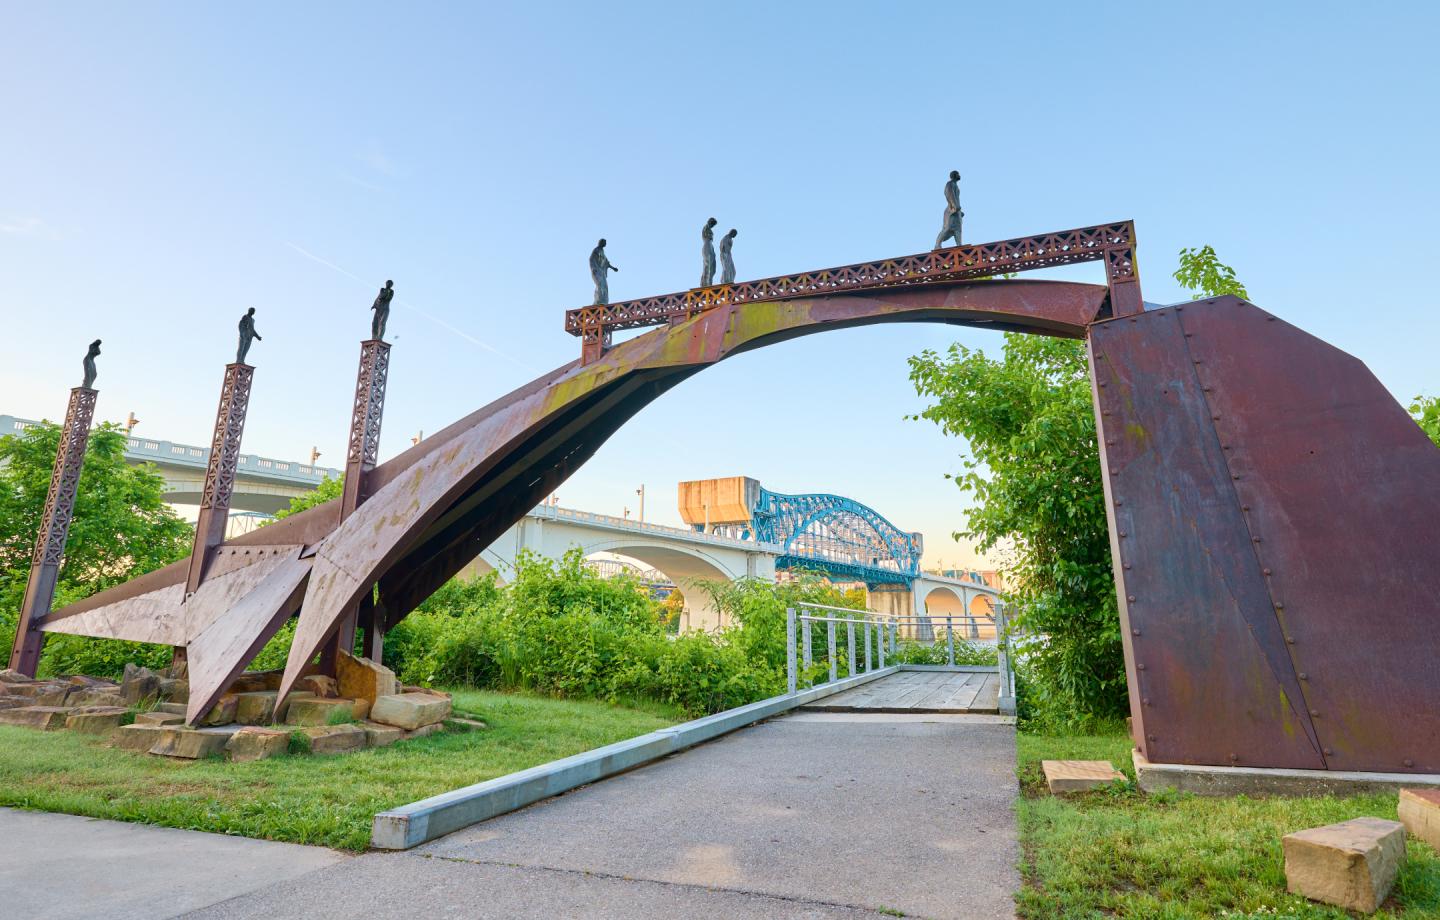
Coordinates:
(1209, 675)
(1273, 515)
(1340, 491)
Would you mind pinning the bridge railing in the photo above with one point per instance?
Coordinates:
(879, 636)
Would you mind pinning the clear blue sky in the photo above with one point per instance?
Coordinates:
(165, 166)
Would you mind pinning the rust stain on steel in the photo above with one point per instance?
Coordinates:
(1340, 494)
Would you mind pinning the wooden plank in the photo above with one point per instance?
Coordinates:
(939, 699)
(965, 699)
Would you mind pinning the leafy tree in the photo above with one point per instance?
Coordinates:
(1202, 271)
(1426, 412)
(327, 489)
(1035, 476)
(122, 527)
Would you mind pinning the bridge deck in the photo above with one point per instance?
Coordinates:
(920, 692)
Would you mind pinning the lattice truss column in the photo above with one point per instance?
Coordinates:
(220, 473)
(54, 529)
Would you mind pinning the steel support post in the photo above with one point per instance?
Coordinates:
(805, 647)
(949, 642)
(867, 646)
(220, 473)
(850, 645)
(790, 649)
(362, 455)
(830, 645)
(880, 644)
(54, 528)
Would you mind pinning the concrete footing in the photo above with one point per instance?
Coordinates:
(1226, 781)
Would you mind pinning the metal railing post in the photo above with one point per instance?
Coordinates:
(949, 642)
(830, 645)
(805, 647)
(850, 644)
(880, 642)
(894, 637)
(790, 649)
(867, 645)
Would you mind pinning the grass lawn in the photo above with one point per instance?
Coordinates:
(327, 800)
(1120, 853)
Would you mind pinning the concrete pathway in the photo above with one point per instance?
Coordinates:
(64, 867)
(816, 815)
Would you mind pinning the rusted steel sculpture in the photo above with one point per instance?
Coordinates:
(55, 521)
(1272, 509)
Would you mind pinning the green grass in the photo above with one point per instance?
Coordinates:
(327, 800)
(1120, 853)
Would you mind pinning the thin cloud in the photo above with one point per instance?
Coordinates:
(411, 306)
(377, 159)
(29, 226)
(370, 186)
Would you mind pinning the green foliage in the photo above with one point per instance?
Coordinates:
(1426, 412)
(966, 652)
(1035, 475)
(328, 490)
(1202, 271)
(122, 528)
(561, 629)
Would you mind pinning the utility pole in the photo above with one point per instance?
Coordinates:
(130, 424)
(314, 455)
(641, 492)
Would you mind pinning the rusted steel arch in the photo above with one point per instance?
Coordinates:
(426, 519)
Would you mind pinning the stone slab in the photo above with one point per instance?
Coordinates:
(98, 721)
(1067, 776)
(254, 743)
(1352, 864)
(318, 711)
(222, 713)
(158, 718)
(139, 736)
(1253, 781)
(1420, 813)
(45, 718)
(335, 739)
(410, 710)
(255, 707)
(377, 735)
(189, 744)
(363, 679)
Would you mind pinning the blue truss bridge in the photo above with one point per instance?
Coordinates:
(832, 534)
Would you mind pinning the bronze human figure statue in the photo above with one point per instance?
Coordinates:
(247, 334)
(89, 363)
(727, 261)
(953, 215)
(707, 253)
(600, 268)
(381, 306)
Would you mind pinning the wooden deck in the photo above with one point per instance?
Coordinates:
(919, 692)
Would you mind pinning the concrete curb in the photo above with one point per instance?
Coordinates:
(411, 825)
(1252, 781)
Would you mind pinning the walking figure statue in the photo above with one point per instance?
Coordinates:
(953, 215)
(727, 261)
(89, 364)
(707, 253)
(600, 268)
(381, 306)
(247, 334)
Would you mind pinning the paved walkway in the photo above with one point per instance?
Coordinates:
(816, 815)
(919, 691)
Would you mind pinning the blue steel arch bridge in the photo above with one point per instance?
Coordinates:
(833, 534)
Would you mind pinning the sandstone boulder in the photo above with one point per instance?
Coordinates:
(158, 718)
(1352, 864)
(59, 694)
(255, 707)
(140, 736)
(222, 713)
(12, 676)
(174, 690)
(317, 711)
(425, 731)
(97, 720)
(95, 696)
(10, 702)
(363, 679)
(189, 743)
(377, 735)
(177, 708)
(1420, 813)
(45, 718)
(253, 743)
(335, 739)
(139, 684)
(319, 684)
(283, 714)
(1064, 776)
(410, 710)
